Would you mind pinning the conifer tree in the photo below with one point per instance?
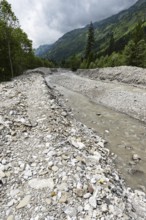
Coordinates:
(90, 43)
(111, 46)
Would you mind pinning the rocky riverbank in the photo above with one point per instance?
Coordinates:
(53, 167)
(124, 74)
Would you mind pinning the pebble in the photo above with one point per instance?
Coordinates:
(77, 144)
(2, 174)
(48, 201)
(104, 208)
(136, 157)
(11, 217)
(70, 211)
(27, 174)
(24, 202)
(4, 162)
(87, 196)
(2, 167)
(64, 114)
(64, 197)
(87, 207)
(80, 209)
(79, 192)
(92, 202)
(90, 189)
(11, 203)
(55, 168)
(41, 183)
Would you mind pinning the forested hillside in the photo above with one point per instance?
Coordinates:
(42, 50)
(115, 38)
(16, 53)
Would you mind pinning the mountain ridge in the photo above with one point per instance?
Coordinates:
(121, 25)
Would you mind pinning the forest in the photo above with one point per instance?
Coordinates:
(16, 52)
(132, 54)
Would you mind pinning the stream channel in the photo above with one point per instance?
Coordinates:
(125, 135)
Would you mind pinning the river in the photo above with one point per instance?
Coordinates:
(125, 135)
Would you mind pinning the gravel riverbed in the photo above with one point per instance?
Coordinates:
(52, 167)
(121, 97)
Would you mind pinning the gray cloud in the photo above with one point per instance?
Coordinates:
(46, 20)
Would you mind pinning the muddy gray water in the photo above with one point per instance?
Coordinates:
(125, 135)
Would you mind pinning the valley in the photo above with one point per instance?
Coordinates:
(52, 160)
(116, 111)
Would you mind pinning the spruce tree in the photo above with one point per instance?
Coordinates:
(111, 46)
(90, 43)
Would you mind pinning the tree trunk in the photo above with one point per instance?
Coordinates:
(10, 60)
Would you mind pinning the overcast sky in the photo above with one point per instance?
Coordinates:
(45, 21)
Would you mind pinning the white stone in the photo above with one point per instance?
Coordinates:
(14, 192)
(10, 203)
(63, 187)
(41, 183)
(136, 157)
(24, 202)
(96, 157)
(87, 207)
(55, 168)
(64, 114)
(48, 201)
(104, 208)
(77, 144)
(64, 197)
(80, 209)
(2, 167)
(87, 196)
(1, 120)
(101, 144)
(45, 151)
(93, 180)
(4, 162)
(50, 164)
(47, 144)
(11, 217)
(70, 211)
(2, 174)
(92, 202)
(111, 209)
(22, 165)
(27, 174)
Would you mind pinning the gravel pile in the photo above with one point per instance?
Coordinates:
(125, 74)
(53, 167)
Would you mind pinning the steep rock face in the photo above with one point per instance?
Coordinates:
(53, 167)
(120, 25)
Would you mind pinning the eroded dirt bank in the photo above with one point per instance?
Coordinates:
(53, 167)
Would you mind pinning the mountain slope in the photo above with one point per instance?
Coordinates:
(121, 25)
(42, 50)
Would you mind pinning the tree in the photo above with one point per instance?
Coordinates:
(111, 46)
(16, 53)
(89, 52)
(141, 53)
(9, 22)
(138, 32)
(135, 53)
(135, 50)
